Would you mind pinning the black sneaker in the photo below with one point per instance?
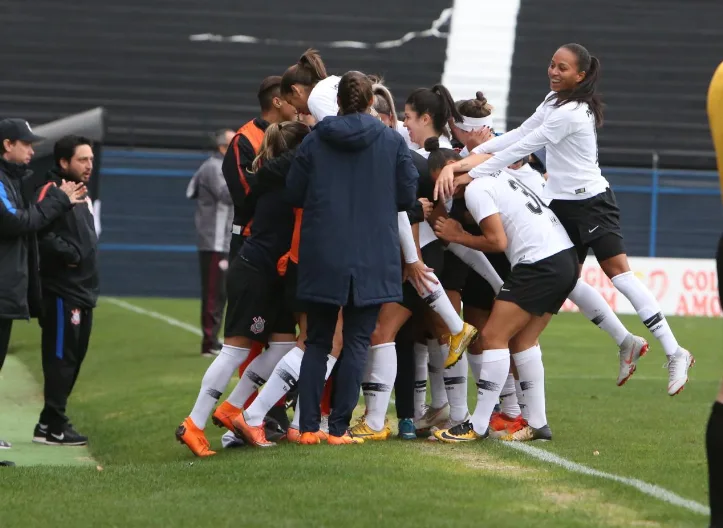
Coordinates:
(67, 437)
(40, 433)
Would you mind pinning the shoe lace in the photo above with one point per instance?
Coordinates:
(461, 429)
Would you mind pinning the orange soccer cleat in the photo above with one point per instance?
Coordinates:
(254, 435)
(344, 439)
(309, 438)
(224, 415)
(194, 438)
(501, 424)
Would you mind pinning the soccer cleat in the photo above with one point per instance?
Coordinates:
(458, 344)
(463, 432)
(309, 439)
(362, 430)
(346, 438)
(5, 445)
(446, 425)
(528, 434)
(678, 365)
(194, 438)
(224, 415)
(292, 434)
(431, 417)
(66, 437)
(406, 429)
(501, 424)
(254, 435)
(632, 349)
(40, 433)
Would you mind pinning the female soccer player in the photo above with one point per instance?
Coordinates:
(308, 88)
(544, 271)
(253, 278)
(565, 125)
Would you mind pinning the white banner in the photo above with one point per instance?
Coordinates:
(682, 286)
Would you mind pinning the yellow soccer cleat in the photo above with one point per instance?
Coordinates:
(362, 430)
(463, 432)
(458, 344)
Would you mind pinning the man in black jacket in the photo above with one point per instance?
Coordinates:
(69, 279)
(20, 219)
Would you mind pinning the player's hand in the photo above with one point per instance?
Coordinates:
(444, 187)
(75, 191)
(420, 276)
(448, 229)
(427, 207)
(479, 136)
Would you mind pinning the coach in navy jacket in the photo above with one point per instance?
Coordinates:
(351, 175)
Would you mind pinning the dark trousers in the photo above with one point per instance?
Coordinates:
(404, 384)
(359, 323)
(65, 337)
(714, 434)
(213, 297)
(6, 325)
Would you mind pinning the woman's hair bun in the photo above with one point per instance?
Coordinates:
(481, 98)
(431, 144)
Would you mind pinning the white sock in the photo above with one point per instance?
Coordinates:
(532, 382)
(284, 378)
(378, 383)
(215, 380)
(475, 364)
(595, 308)
(258, 372)
(439, 302)
(455, 383)
(521, 400)
(509, 405)
(648, 310)
(479, 262)
(436, 374)
(330, 362)
(495, 367)
(421, 357)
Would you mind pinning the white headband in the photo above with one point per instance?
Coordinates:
(473, 123)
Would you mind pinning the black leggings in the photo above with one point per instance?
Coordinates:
(714, 435)
(404, 383)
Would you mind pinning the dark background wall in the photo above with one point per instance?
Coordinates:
(657, 60)
(135, 58)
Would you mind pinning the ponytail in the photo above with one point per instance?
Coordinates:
(384, 102)
(278, 138)
(586, 90)
(308, 71)
(437, 103)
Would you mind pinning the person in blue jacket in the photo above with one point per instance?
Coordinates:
(351, 175)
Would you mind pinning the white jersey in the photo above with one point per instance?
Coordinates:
(532, 179)
(533, 231)
(322, 99)
(569, 137)
(426, 233)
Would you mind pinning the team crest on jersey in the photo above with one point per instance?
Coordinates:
(75, 317)
(258, 325)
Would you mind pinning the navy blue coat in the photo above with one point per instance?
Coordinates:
(351, 175)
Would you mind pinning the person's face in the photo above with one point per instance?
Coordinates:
(418, 125)
(298, 97)
(286, 111)
(80, 166)
(563, 71)
(20, 152)
(460, 135)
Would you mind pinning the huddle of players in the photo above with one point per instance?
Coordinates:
(488, 231)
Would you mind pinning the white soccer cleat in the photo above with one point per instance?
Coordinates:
(678, 365)
(632, 349)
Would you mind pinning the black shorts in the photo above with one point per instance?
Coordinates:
(256, 303)
(544, 286)
(477, 292)
(433, 257)
(455, 273)
(592, 223)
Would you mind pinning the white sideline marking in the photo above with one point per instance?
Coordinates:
(433, 31)
(161, 317)
(648, 489)
(644, 487)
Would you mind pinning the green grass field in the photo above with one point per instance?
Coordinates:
(142, 376)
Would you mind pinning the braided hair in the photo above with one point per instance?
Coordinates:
(355, 93)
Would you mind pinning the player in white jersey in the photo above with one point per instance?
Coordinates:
(308, 88)
(565, 125)
(513, 219)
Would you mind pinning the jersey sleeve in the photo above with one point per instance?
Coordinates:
(480, 200)
(510, 138)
